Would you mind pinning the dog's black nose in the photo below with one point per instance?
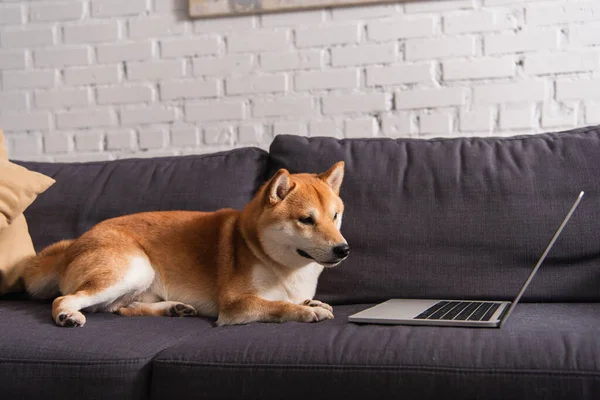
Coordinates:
(341, 251)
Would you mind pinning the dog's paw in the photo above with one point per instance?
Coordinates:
(182, 310)
(315, 314)
(317, 303)
(70, 319)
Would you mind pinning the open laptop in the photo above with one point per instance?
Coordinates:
(484, 314)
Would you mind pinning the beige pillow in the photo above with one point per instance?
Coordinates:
(18, 189)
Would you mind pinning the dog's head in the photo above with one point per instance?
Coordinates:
(301, 218)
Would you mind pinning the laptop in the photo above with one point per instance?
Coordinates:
(483, 314)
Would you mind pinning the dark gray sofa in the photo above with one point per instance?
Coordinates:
(448, 218)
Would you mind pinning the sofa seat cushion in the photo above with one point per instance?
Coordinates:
(545, 351)
(460, 217)
(109, 358)
(88, 193)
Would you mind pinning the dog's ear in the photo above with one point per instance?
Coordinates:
(334, 176)
(279, 186)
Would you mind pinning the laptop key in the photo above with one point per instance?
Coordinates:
(488, 315)
(431, 310)
(480, 312)
(456, 310)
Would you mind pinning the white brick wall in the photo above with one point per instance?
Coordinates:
(105, 79)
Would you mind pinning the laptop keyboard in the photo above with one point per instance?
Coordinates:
(460, 311)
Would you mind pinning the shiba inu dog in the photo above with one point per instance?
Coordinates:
(258, 264)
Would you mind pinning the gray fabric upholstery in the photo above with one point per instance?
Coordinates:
(545, 351)
(87, 193)
(462, 217)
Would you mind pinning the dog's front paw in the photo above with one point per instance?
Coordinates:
(315, 314)
(70, 319)
(317, 303)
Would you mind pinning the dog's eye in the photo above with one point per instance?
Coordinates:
(335, 217)
(307, 221)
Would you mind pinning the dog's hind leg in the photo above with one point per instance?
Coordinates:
(101, 289)
(160, 309)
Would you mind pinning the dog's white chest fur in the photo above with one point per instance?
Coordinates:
(294, 287)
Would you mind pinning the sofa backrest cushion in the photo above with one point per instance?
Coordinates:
(88, 193)
(460, 218)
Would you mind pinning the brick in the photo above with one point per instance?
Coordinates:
(355, 103)
(479, 21)
(477, 120)
(480, 68)
(11, 15)
(554, 14)
(59, 57)
(556, 115)
(12, 59)
(400, 74)
(183, 135)
(435, 124)
(28, 79)
(24, 145)
(584, 34)
(250, 134)
(189, 89)
(431, 6)
(396, 125)
(517, 117)
(592, 113)
(153, 138)
(57, 143)
(327, 35)
(429, 98)
(283, 106)
(124, 94)
(17, 101)
(521, 42)
(219, 135)
(63, 98)
(114, 53)
(253, 41)
(330, 79)
(362, 127)
(241, 23)
(325, 128)
(214, 111)
(147, 115)
(290, 19)
(578, 90)
(557, 63)
(401, 28)
(226, 65)
(289, 128)
(96, 118)
(160, 26)
(522, 91)
(55, 11)
(91, 32)
(422, 49)
(27, 37)
(89, 141)
(155, 70)
(117, 8)
(288, 61)
(363, 54)
(92, 75)
(372, 11)
(256, 84)
(25, 121)
(120, 139)
(495, 3)
(200, 46)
